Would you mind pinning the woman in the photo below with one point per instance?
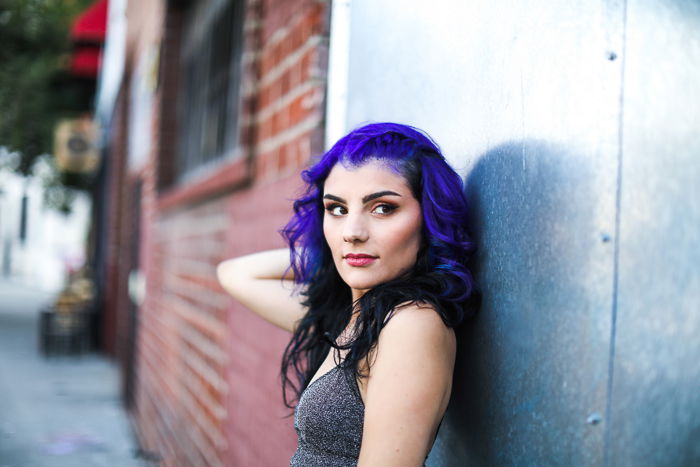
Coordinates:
(377, 251)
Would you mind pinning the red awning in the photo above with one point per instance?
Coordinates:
(86, 62)
(88, 35)
(91, 25)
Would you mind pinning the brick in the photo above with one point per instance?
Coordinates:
(282, 161)
(284, 83)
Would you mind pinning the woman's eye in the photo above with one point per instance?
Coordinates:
(335, 210)
(384, 209)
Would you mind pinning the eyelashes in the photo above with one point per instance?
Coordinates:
(385, 209)
(335, 209)
(381, 209)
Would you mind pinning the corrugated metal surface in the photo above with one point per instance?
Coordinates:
(577, 321)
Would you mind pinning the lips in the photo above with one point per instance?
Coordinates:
(359, 260)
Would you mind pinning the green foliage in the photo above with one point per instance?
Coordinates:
(34, 52)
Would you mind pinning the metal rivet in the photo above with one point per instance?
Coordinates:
(612, 56)
(605, 237)
(594, 418)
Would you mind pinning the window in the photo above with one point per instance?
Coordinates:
(208, 110)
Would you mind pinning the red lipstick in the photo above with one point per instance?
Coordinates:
(359, 260)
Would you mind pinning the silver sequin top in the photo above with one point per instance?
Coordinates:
(328, 420)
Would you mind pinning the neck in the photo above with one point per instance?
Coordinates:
(357, 294)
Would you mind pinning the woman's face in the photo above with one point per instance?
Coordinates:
(372, 224)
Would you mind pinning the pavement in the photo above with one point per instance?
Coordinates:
(64, 411)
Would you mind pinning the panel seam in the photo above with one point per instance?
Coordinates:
(616, 244)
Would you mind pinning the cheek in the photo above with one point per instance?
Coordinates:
(406, 242)
(412, 247)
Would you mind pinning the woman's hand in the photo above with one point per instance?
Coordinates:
(264, 283)
(408, 388)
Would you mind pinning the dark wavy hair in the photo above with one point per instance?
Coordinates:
(439, 278)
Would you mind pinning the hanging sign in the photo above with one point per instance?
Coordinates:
(74, 146)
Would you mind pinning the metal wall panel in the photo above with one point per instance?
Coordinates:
(526, 99)
(655, 398)
(532, 367)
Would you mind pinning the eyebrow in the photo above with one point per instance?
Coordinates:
(365, 199)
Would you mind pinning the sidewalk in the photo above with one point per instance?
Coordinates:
(62, 412)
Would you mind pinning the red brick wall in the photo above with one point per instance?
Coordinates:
(181, 409)
(208, 389)
(260, 431)
(292, 85)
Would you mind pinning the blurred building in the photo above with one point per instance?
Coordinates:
(208, 111)
(43, 238)
(39, 246)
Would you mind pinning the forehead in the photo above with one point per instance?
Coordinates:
(371, 176)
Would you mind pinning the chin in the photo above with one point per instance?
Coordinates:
(362, 283)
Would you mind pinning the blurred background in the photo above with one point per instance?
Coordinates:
(143, 142)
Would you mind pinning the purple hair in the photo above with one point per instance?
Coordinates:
(440, 276)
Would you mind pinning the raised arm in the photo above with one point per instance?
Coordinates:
(408, 388)
(262, 282)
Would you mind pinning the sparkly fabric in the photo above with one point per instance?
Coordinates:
(328, 420)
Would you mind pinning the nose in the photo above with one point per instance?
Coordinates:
(355, 230)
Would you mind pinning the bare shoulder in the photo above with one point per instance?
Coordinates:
(408, 386)
(413, 340)
(418, 324)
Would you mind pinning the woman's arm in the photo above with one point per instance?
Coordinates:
(408, 388)
(263, 283)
